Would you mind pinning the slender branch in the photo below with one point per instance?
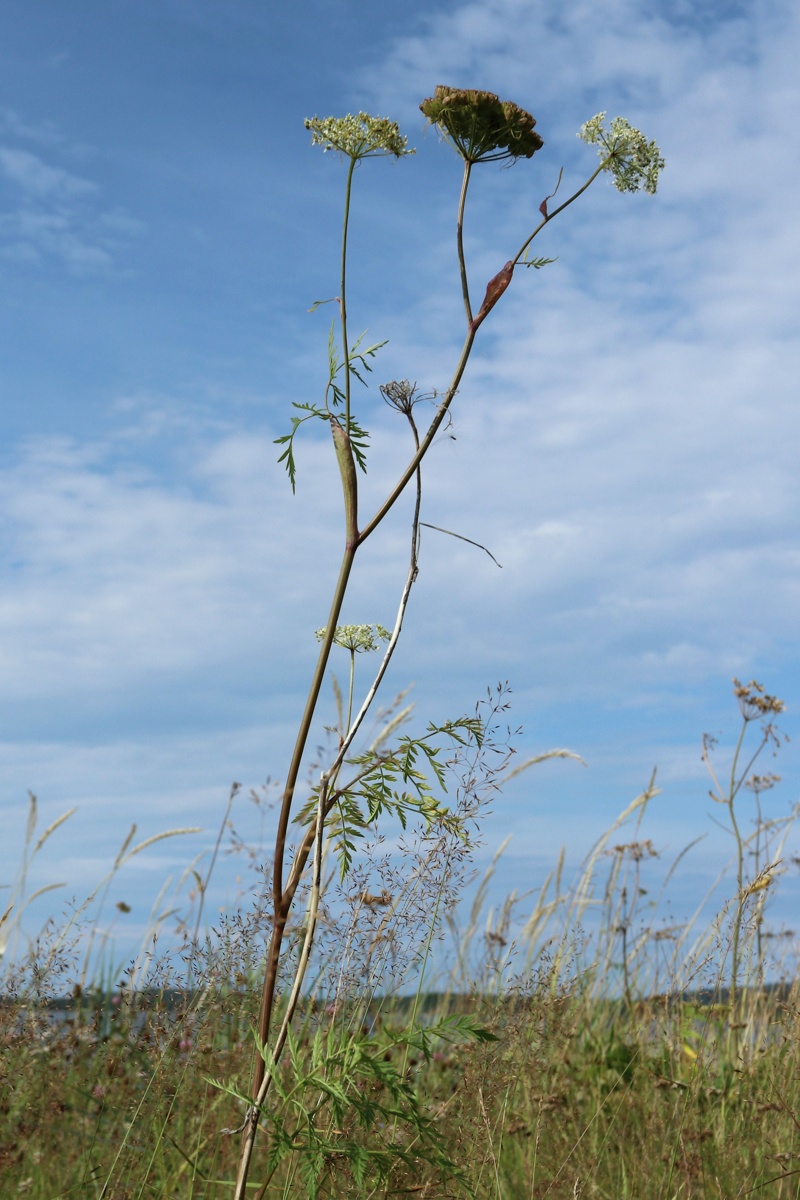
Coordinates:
(388, 504)
(560, 209)
(460, 239)
(343, 294)
(461, 538)
(739, 872)
(425, 444)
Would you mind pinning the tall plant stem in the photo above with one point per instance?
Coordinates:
(311, 924)
(732, 792)
(281, 904)
(313, 839)
(343, 293)
(460, 239)
(281, 900)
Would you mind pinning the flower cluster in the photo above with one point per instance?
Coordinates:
(360, 136)
(632, 160)
(754, 702)
(482, 127)
(358, 639)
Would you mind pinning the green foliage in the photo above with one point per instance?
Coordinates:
(359, 439)
(335, 396)
(288, 438)
(544, 1081)
(395, 782)
(347, 1105)
(536, 263)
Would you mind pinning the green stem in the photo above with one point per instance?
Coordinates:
(732, 791)
(460, 239)
(260, 1095)
(282, 903)
(280, 907)
(350, 691)
(343, 293)
(560, 209)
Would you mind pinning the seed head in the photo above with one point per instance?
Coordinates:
(754, 702)
(400, 394)
(482, 127)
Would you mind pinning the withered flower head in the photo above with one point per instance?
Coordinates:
(754, 702)
(482, 127)
(400, 394)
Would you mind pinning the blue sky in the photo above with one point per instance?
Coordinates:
(626, 439)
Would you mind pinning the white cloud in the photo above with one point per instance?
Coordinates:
(37, 179)
(52, 214)
(129, 574)
(45, 133)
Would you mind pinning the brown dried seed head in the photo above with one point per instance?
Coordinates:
(482, 127)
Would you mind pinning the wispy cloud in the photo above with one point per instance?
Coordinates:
(51, 214)
(15, 126)
(37, 180)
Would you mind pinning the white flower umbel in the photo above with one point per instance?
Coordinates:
(360, 136)
(632, 160)
(358, 639)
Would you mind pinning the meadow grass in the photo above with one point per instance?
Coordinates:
(573, 1048)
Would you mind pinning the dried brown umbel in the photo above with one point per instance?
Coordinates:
(401, 395)
(754, 702)
(482, 127)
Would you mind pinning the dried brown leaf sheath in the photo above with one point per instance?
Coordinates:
(494, 290)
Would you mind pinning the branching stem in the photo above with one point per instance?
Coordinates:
(560, 209)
